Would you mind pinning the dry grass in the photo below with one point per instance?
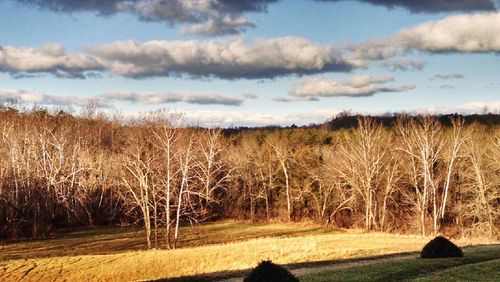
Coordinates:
(145, 265)
(113, 240)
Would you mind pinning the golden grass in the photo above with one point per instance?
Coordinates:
(155, 264)
(112, 240)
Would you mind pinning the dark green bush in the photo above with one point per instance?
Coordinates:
(267, 271)
(440, 247)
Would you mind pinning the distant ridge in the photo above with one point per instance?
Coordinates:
(348, 121)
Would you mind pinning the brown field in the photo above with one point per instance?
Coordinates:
(102, 255)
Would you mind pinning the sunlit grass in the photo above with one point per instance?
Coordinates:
(478, 264)
(112, 240)
(113, 255)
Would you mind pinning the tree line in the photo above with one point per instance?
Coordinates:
(418, 175)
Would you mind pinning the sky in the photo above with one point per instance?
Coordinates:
(252, 62)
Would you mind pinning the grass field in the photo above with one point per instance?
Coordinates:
(481, 271)
(478, 264)
(116, 254)
(113, 240)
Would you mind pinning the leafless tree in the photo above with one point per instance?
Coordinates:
(166, 137)
(137, 179)
(454, 144)
(422, 142)
(330, 194)
(58, 169)
(482, 188)
(186, 161)
(362, 165)
(213, 171)
(283, 153)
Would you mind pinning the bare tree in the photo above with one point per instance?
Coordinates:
(186, 161)
(283, 152)
(267, 169)
(481, 203)
(422, 142)
(329, 192)
(362, 164)
(137, 179)
(455, 143)
(392, 176)
(58, 169)
(212, 168)
(166, 137)
(247, 172)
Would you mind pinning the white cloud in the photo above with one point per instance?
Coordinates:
(282, 99)
(50, 58)
(446, 86)
(481, 107)
(39, 98)
(356, 86)
(207, 17)
(105, 100)
(467, 33)
(213, 27)
(217, 118)
(475, 107)
(249, 96)
(460, 33)
(236, 118)
(202, 17)
(213, 118)
(227, 59)
(21, 96)
(448, 76)
(372, 50)
(154, 98)
(402, 64)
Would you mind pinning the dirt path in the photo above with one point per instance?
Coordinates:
(301, 271)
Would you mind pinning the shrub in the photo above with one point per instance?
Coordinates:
(267, 271)
(440, 247)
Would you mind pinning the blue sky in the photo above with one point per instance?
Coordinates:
(224, 63)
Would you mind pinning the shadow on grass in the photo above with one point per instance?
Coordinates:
(217, 276)
(474, 254)
(97, 241)
(113, 239)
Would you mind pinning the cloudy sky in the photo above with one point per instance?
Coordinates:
(252, 62)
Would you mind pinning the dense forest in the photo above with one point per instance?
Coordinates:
(411, 174)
